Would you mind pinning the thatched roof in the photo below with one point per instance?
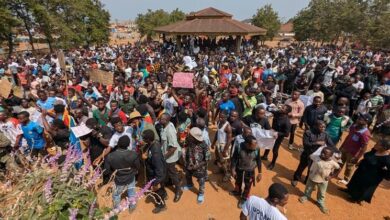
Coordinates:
(210, 21)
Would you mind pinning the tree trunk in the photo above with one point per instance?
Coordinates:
(10, 44)
(30, 37)
(48, 39)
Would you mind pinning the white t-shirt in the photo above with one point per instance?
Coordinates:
(358, 85)
(169, 104)
(11, 131)
(259, 209)
(115, 137)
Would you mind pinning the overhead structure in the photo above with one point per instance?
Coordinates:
(211, 22)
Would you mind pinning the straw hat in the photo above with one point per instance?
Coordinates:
(135, 115)
(196, 133)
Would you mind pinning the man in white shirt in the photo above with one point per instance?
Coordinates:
(11, 129)
(257, 208)
(120, 130)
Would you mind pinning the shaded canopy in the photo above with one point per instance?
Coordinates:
(210, 21)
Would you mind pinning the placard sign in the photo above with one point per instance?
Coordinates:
(5, 87)
(183, 80)
(103, 77)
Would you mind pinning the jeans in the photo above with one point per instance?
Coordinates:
(320, 192)
(201, 181)
(116, 195)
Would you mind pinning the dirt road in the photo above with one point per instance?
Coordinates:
(220, 205)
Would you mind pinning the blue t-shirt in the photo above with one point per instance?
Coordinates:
(228, 106)
(266, 73)
(48, 104)
(33, 133)
(90, 95)
(46, 67)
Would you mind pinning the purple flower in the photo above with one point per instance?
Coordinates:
(47, 190)
(72, 156)
(73, 214)
(52, 161)
(82, 172)
(96, 175)
(91, 211)
(125, 203)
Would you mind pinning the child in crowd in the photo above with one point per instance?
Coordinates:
(322, 169)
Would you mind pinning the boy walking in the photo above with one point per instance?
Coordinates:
(321, 170)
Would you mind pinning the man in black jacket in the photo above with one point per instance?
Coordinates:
(244, 162)
(281, 124)
(155, 169)
(313, 113)
(126, 163)
(312, 140)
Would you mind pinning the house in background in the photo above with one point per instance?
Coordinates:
(287, 30)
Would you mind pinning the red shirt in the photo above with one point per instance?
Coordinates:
(257, 74)
(76, 87)
(205, 102)
(356, 140)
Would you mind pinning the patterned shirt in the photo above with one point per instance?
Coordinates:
(195, 154)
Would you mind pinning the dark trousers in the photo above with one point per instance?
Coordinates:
(275, 149)
(201, 181)
(304, 162)
(159, 198)
(173, 175)
(247, 176)
(292, 133)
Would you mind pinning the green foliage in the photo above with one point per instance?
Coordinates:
(329, 20)
(152, 19)
(268, 19)
(64, 23)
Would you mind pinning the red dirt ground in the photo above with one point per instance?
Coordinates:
(220, 205)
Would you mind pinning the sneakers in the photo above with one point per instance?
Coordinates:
(159, 209)
(291, 147)
(344, 182)
(324, 210)
(200, 198)
(187, 187)
(302, 199)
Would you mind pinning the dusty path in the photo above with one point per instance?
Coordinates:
(220, 205)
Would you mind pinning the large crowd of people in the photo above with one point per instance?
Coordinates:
(142, 126)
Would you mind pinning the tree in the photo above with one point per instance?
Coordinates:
(268, 19)
(8, 22)
(64, 23)
(152, 19)
(366, 21)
